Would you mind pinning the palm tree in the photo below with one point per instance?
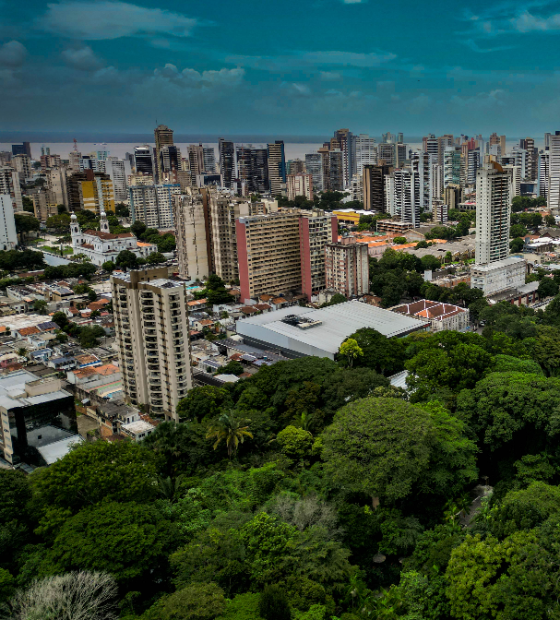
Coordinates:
(169, 487)
(22, 352)
(228, 429)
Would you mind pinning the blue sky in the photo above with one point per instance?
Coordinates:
(293, 67)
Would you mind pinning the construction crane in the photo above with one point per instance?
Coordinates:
(75, 145)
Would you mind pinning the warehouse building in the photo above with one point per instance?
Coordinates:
(301, 332)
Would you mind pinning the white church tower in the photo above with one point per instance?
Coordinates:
(103, 223)
(75, 231)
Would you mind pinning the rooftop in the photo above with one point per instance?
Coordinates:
(329, 326)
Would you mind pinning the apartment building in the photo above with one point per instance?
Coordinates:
(153, 204)
(8, 235)
(317, 228)
(152, 334)
(163, 137)
(347, 267)
(276, 162)
(9, 185)
(300, 184)
(44, 204)
(268, 248)
(374, 186)
(222, 212)
(57, 183)
(192, 234)
(118, 176)
(97, 194)
(22, 165)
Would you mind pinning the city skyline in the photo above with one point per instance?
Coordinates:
(295, 69)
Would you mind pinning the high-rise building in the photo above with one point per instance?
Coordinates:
(196, 158)
(223, 211)
(226, 151)
(268, 249)
(494, 270)
(365, 153)
(9, 185)
(118, 176)
(554, 174)
(295, 166)
(316, 229)
(503, 145)
(253, 168)
(400, 138)
(153, 204)
(336, 170)
(50, 161)
(97, 194)
(494, 139)
(400, 155)
(74, 160)
(547, 140)
(374, 187)
(209, 159)
(386, 153)
(22, 149)
(22, 165)
(152, 330)
(493, 208)
(544, 172)
(436, 182)
(144, 161)
(473, 164)
(453, 195)
(57, 184)
(192, 234)
(169, 163)
(314, 166)
(345, 139)
(407, 196)
(8, 235)
(163, 137)
(440, 212)
(276, 167)
(300, 185)
(451, 166)
(347, 267)
(516, 179)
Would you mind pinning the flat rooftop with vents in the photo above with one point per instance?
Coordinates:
(301, 332)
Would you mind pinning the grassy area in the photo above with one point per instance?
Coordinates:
(53, 250)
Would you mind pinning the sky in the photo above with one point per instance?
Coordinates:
(297, 67)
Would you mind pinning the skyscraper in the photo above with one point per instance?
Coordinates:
(226, 153)
(554, 178)
(152, 335)
(118, 176)
(345, 139)
(374, 187)
(365, 152)
(209, 159)
(8, 235)
(192, 234)
(144, 160)
(314, 167)
(544, 171)
(153, 204)
(276, 167)
(494, 270)
(9, 186)
(169, 163)
(163, 136)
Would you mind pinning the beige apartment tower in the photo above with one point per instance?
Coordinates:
(347, 267)
(152, 334)
(268, 249)
(192, 234)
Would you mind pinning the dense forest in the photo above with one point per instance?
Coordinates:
(315, 490)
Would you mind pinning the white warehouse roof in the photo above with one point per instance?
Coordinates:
(334, 325)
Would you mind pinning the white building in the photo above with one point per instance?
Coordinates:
(544, 171)
(153, 204)
(9, 185)
(8, 235)
(407, 196)
(191, 235)
(118, 176)
(101, 245)
(554, 174)
(366, 153)
(494, 270)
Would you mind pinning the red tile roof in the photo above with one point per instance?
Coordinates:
(28, 331)
(107, 236)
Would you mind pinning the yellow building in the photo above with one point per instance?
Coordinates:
(348, 217)
(97, 195)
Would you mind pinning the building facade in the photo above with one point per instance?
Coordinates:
(192, 234)
(153, 204)
(316, 229)
(300, 185)
(347, 267)
(276, 167)
(152, 334)
(8, 234)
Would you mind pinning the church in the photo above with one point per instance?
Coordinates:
(101, 245)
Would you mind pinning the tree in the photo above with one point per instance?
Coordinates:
(60, 209)
(199, 601)
(399, 240)
(109, 266)
(385, 447)
(138, 228)
(550, 220)
(121, 210)
(430, 263)
(517, 245)
(129, 540)
(26, 224)
(155, 258)
(93, 473)
(546, 349)
(384, 355)
(74, 596)
(60, 222)
(547, 288)
(40, 306)
(127, 260)
(229, 430)
(233, 367)
(60, 319)
(273, 604)
(295, 442)
(202, 402)
(517, 230)
(350, 350)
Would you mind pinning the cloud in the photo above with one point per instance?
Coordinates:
(104, 19)
(83, 59)
(353, 1)
(298, 60)
(472, 44)
(12, 54)
(203, 79)
(529, 23)
(481, 100)
(330, 76)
